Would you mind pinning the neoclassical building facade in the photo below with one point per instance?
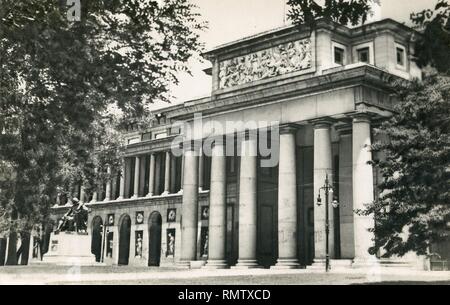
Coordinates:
(326, 90)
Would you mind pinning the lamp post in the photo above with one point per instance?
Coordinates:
(327, 188)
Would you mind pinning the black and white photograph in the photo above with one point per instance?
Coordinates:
(237, 143)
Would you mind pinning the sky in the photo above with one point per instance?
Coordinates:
(230, 20)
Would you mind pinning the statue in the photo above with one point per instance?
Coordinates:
(75, 220)
(139, 245)
(171, 244)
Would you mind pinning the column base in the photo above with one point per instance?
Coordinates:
(134, 197)
(247, 264)
(180, 192)
(107, 199)
(216, 264)
(93, 201)
(149, 195)
(286, 263)
(120, 198)
(184, 264)
(366, 263)
(165, 193)
(318, 264)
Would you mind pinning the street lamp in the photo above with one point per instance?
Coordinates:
(327, 188)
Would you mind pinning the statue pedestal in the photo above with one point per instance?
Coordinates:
(70, 248)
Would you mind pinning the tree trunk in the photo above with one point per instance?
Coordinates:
(25, 248)
(12, 250)
(3, 243)
(45, 240)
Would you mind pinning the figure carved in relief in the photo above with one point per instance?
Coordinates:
(305, 54)
(293, 56)
(266, 65)
(223, 75)
(284, 58)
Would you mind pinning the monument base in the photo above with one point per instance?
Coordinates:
(70, 249)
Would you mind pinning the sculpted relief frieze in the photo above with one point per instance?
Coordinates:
(282, 59)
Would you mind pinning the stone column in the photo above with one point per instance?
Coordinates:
(127, 176)
(322, 168)
(142, 176)
(362, 187)
(201, 163)
(189, 207)
(173, 174)
(137, 167)
(108, 185)
(82, 194)
(167, 174)
(217, 208)
(158, 163)
(122, 182)
(182, 175)
(94, 197)
(287, 200)
(151, 176)
(346, 191)
(95, 192)
(248, 203)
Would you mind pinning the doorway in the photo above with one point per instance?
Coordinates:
(96, 242)
(124, 240)
(154, 247)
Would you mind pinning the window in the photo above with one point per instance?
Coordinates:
(146, 136)
(400, 55)
(339, 54)
(175, 130)
(160, 135)
(134, 140)
(363, 55)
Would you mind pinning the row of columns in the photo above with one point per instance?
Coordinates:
(287, 197)
(169, 179)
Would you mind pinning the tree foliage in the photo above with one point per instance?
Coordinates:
(413, 208)
(341, 11)
(433, 47)
(66, 86)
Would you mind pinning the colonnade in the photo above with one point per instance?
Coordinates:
(287, 197)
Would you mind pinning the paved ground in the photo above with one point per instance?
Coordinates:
(167, 276)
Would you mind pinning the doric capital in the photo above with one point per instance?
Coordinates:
(289, 128)
(361, 117)
(324, 122)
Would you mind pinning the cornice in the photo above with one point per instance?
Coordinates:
(295, 87)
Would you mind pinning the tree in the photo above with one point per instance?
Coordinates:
(66, 86)
(433, 46)
(413, 209)
(343, 12)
